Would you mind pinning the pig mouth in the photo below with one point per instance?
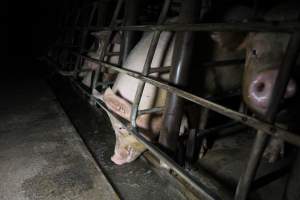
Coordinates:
(261, 87)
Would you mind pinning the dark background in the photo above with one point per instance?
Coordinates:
(29, 28)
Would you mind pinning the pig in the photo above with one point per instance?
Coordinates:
(120, 97)
(94, 52)
(264, 54)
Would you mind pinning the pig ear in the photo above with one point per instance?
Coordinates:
(101, 35)
(117, 104)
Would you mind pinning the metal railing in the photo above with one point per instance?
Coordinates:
(265, 127)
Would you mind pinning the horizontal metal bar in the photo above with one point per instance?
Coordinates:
(223, 129)
(151, 110)
(223, 63)
(253, 27)
(245, 119)
(197, 186)
(160, 70)
(112, 53)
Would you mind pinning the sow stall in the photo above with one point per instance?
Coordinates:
(68, 54)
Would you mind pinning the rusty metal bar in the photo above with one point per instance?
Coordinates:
(281, 82)
(181, 62)
(147, 65)
(247, 27)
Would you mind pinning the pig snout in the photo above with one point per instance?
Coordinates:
(261, 86)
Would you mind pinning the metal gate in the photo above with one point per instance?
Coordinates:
(82, 21)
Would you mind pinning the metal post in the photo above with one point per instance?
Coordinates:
(131, 16)
(84, 36)
(179, 77)
(147, 65)
(96, 73)
(261, 138)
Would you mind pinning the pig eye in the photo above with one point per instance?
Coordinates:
(254, 52)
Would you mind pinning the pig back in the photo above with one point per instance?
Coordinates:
(126, 86)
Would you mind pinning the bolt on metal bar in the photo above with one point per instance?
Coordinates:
(147, 65)
(278, 90)
(247, 27)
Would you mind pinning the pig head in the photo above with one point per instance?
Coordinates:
(264, 55)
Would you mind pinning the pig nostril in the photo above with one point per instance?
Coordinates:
(260, 87)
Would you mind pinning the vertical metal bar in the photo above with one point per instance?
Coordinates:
(95, 74)
(277, 93)
(147, 65)
(84, 37)
(141, 85)
(131, 16)
(179, 77)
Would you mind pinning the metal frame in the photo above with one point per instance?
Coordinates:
(265, 127)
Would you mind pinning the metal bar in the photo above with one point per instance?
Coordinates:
(96, 73)
(141, 85)
(278, 90)
(131, 17)
(240, 117)
(112, 54)
(147, 65)
(245, 119)
(197, 186)
(268, 178)
(223, 63)
(181, 62)
(84, 36)
(250, 27)
(160, 70)
(151, 110)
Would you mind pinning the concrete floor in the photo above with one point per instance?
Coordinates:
(41, 155)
